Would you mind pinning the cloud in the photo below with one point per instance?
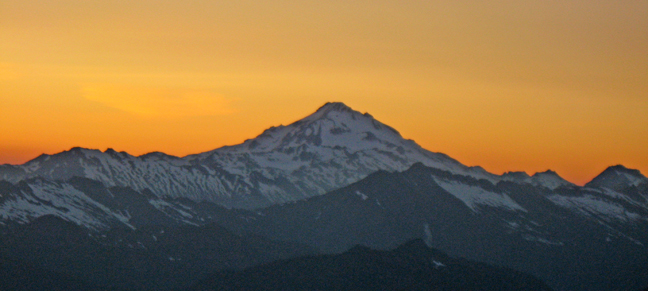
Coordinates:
(158, 102)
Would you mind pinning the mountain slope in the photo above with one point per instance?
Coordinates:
(19, 276)
(412, 266)
(520, 226)
(150, 258)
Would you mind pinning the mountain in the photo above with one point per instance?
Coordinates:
(150, 258)
(411, 266)
(570, 237)
(329, 149)
(618, 177)
(335, 179)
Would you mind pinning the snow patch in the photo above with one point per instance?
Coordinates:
(428, 234)
(362, 195)
(62, 200)
(590, 205)
(474, 196)
(543, 240)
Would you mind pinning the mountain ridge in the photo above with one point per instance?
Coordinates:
(250, 144)
(410, 266)
(326, 150)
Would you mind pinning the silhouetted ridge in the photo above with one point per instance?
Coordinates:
(617, 176)
(547, 172)
(412, 266)
(516, 175)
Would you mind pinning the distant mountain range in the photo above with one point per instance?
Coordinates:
(335, 179)
(329, 149)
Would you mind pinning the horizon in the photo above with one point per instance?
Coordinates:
(507, 86)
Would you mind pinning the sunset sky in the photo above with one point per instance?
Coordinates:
(508, 85)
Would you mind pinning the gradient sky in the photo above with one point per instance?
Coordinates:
(509, 85)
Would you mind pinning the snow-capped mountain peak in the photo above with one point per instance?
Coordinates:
(333, 125)
(334, 137)
(331, 107)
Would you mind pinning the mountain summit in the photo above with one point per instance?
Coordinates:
(334, 106)
(332, 125)
(330, 148)
(618, 176)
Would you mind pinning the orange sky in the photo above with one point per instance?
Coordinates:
(508, 85)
